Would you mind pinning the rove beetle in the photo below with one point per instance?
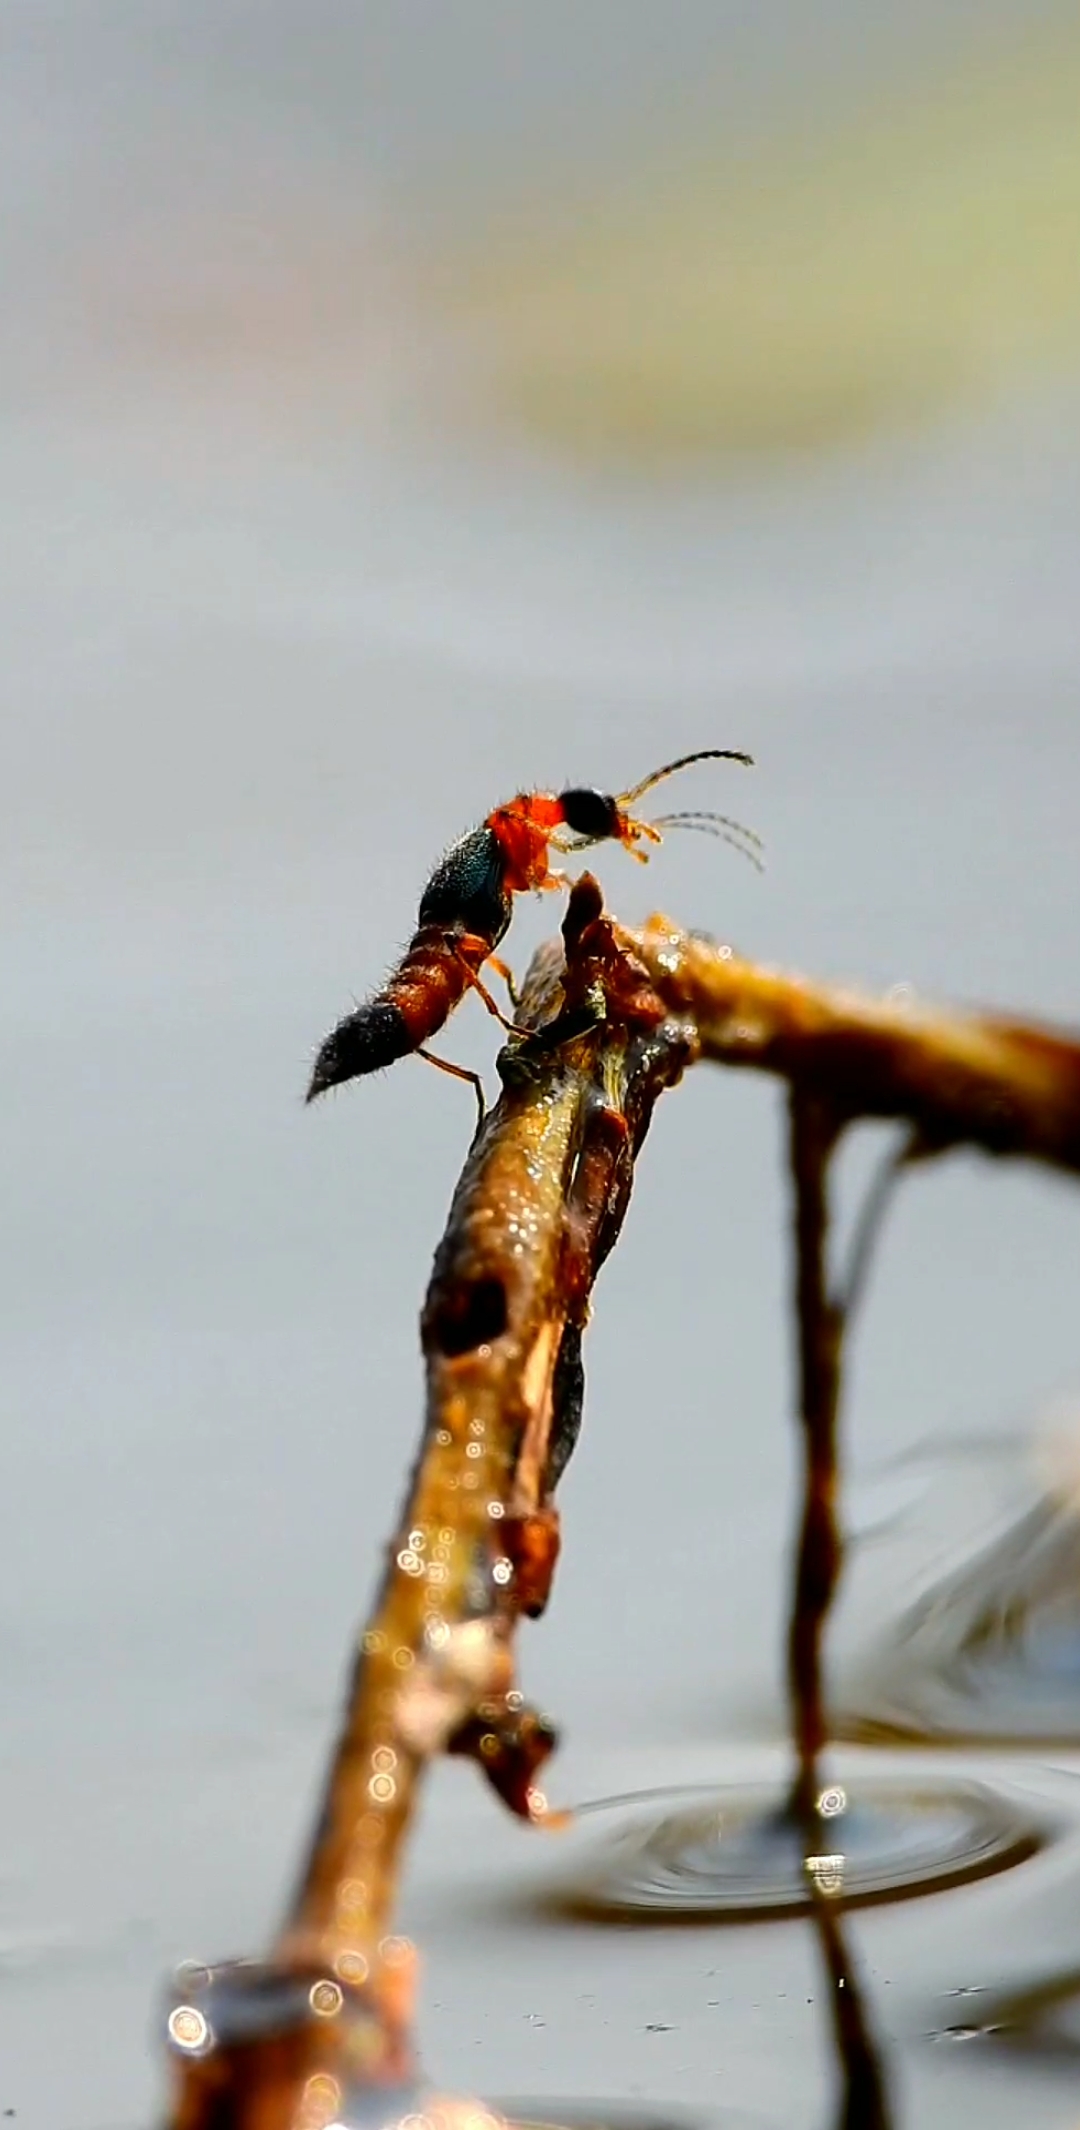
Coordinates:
(467, 905)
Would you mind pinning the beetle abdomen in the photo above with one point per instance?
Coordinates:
(375, 1035)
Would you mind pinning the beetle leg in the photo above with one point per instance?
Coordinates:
(503, 969)
(478, 983)
(458, 1072)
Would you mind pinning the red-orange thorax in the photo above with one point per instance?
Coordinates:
(523, 828)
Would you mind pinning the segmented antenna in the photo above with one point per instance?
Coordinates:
(703, 754)
(742, 839)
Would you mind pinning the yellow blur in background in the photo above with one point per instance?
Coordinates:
(838, 277)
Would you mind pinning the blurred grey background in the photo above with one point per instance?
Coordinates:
(401, 405)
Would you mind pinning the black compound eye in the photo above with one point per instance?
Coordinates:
(589, 813)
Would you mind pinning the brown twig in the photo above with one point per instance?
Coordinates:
(954, 1079)
(959, 1079)
(281, 2045)
(293, 2042)
(819, 1330)
(821, 1323)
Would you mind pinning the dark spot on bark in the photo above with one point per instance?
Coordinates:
(468, 1314)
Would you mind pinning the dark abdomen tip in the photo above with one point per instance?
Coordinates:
(374, 1036)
